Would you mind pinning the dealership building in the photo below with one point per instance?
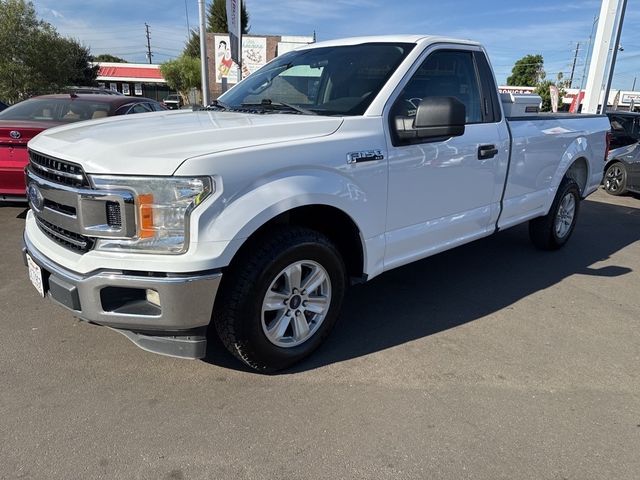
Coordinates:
(135, 79)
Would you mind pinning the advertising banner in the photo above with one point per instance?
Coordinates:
(234, 26)
(577, 100)
(555, 97)
(254, 56)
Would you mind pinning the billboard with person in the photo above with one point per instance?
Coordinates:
(254, 56)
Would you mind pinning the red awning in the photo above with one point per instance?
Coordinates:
(130, 72)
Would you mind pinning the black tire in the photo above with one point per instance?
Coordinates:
(237, 313)
(543, 231)
(615, 179)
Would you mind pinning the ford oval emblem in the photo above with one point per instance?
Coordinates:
(15, 134)
(36, 200)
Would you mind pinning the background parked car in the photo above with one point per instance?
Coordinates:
(3, 106)
(92, 90)
(622, 171)
(24, 120)
(172, 102)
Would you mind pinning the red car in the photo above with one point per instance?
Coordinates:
(21, 122)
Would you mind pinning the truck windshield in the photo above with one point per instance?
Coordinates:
(341, 80)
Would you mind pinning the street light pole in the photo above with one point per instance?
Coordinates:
(203, 54)
(586, 58)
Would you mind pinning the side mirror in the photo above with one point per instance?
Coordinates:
(436, 117)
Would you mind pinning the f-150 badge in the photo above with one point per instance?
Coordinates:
(365, 156)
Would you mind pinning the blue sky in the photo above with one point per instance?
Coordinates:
(509, 29)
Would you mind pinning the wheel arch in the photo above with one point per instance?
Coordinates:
(576, 163)
(612, 161)
(329, 220)
(579, 172)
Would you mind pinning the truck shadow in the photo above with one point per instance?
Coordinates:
(468, 283)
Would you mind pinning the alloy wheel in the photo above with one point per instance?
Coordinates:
(296, 303)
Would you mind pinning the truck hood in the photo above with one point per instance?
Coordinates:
(157, 143)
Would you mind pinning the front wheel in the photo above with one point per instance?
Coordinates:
(280, 298)
(615, 179)
(554, 229)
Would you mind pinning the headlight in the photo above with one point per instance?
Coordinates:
(163, 205)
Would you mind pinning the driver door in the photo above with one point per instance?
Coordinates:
(445, 191)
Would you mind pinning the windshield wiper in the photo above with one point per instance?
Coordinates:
(217, 105)
(268, 104)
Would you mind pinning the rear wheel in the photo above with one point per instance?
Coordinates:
(280, 298)
(615, 179)
(554, 229)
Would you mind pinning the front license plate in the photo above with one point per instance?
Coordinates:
(35, 275)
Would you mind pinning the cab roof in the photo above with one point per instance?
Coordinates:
(405, 38)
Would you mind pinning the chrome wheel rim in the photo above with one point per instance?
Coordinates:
(565, 216)
(614, 178)
(296, 303)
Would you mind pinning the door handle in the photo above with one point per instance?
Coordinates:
(487, 151)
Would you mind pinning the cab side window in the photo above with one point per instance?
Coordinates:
(445, 73)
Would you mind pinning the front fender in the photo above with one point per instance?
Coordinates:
(234, 218)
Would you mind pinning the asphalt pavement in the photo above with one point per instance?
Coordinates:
(490, 361)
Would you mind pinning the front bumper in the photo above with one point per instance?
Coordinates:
(117, 299)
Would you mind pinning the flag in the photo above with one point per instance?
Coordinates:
(555, 97)
(577, 100)
(234, 15)
(616, 100)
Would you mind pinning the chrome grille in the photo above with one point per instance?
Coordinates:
(72, 213)
(71, 240)
(58, 171)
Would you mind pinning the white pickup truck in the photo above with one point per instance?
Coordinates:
(330, 165)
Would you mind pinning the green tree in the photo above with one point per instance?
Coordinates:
(217, 17)
(527, 72)
(216, 23)
(35, 59)
(182, 74)
(542, 89)
(107, 57)
(192, 47)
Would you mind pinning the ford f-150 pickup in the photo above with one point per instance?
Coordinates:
(330, 165)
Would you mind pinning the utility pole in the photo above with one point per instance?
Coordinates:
(573, 67)
(149, 54)
(633, 89)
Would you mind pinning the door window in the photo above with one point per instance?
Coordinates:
(445, 73)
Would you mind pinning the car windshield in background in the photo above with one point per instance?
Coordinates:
(341, 80)
(56, 110)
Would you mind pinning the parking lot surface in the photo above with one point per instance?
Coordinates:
(493, 360)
